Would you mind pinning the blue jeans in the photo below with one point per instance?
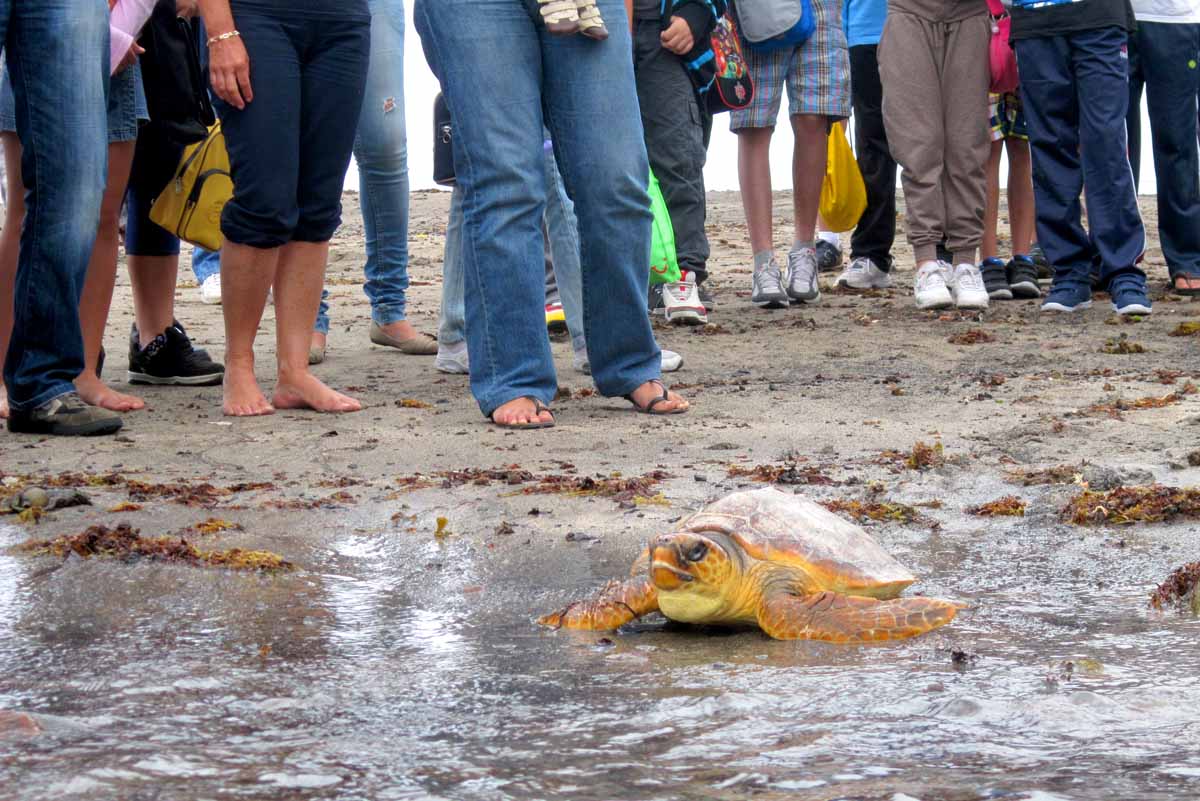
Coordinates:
(381, 150)
(205, 263)
(58, 59)
(563, 233)
(1075, 89)
(499, 69)
(1163, 54)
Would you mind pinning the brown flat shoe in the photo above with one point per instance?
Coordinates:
(420, 345)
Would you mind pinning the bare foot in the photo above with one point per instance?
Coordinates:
(95, 392)
(316, 347)
(646, 394)
(3, 403)
(1187, 283)
(521, 412)
(243, 398)
(305, 391)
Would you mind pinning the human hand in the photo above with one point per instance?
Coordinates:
(678, 37)
(130, 58)
(229, 72)
(187, 8)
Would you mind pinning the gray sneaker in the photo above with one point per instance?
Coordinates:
(64, 416)
(767, 289)
(802, 276)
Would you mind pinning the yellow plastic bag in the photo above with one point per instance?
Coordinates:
(190, 207)
(843, 194)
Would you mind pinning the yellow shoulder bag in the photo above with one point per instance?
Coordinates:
(190, 207)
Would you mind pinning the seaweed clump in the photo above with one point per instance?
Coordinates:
(1115, 407)
(879, 511)
(1058, 474)
(972, 336)
(1181, 590)
(921, 457)
(128, 545)
(1124, 505)
(780, 474)
(1121, 345)
(1188, 329)
(1008, 506)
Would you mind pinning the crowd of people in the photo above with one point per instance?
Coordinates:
(559, 110)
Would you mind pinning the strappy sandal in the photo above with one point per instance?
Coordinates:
(591, 24)
(561, 17)
(1191, 284)
(538, 408)
(665, 397)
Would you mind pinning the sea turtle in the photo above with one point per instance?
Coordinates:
(768, 559)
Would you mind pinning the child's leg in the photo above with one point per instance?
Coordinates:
(991, 217)
(964, 82)
(1020, 194)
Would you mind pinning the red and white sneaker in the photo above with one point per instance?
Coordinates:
(681, 301)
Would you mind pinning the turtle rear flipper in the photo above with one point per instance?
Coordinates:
(832, 617)
(615, 605)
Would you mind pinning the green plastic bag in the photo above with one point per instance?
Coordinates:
(664, 265)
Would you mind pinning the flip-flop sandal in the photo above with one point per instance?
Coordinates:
(1185, 290)
(538, 408)
(665, 397)
(560, 16)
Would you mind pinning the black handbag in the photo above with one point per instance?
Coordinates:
(176, 96)
(443, 143)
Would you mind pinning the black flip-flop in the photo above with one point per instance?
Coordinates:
(538, 408)
(665, 397)
(1178, 290)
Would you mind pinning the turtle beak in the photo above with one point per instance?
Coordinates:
(665, 571)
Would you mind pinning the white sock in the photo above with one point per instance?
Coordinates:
(830, 237)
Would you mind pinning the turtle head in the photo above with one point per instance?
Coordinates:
(691, 563)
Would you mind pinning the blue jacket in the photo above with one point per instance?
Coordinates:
(862, 20)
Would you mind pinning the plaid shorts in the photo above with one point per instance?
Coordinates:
(816, 74)
(1007, 117)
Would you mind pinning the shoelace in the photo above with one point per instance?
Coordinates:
(970, 279)
(770, 279)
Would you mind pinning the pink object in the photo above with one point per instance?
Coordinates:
(1001, 58)
(125, 25)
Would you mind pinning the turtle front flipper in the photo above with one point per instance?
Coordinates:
(832, 617)
(615, 605)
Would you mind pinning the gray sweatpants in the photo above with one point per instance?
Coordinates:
(935, 79)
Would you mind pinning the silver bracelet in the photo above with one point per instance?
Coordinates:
(223, 37)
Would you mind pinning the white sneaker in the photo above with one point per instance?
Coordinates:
(862, 273)
(681, 301)
(930, 287)
(452, 359)
(671, 361)
(210, 290)
(968, 287)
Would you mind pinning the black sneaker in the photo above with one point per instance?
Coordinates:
(829, 256)
(1023, 277)
(995, 281)
(65, 416)
(1044, 271)
(706, 299)
(657, 304)
(171, 359)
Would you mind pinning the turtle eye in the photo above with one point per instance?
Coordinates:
(697, 552)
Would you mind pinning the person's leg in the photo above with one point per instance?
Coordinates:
(809, 152)
(333, 73)
(1172, 88)
(58, 53)
(1048, 94)
(964, 85)
(1020, 194)
(674, 125)
(1133, 118)
(487, 55)
(876, 231)
(10, 241)
(909, 59)
(599, 142)
(153, 279)
(566, 270)
(452, 325)
(99, 283)
(991, 216)
(263, 141)
(1114, 221)
(754, 126)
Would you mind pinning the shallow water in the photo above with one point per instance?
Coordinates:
(414, 672)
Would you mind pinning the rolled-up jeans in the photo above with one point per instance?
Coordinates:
(58, 57)
(565, 274)
(381, 151)
(499, 68)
